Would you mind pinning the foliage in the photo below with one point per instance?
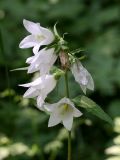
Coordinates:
(92, 107)
(93, 25)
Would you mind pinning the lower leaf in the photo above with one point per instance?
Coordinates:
(92, 107)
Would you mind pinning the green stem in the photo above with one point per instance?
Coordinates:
(69, 132)
(69, 145)
(66, 84)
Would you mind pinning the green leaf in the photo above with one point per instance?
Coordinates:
(55, 31)
(92, 107)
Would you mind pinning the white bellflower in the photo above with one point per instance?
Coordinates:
(63, 111)
(40, 88)
(38, 36)
(42, 61)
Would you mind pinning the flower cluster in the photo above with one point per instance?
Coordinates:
(47, 47)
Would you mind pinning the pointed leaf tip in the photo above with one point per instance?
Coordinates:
(55, 30)
(92, 107)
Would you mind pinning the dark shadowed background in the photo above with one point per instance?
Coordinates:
(91, 24)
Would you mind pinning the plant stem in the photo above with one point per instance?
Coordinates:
(69, 132)
(69, 145)
(66, 84)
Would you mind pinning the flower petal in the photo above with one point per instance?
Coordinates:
(31, 93)
(32, 27)
(80, 73)
(49, 83)
(25, 85)
(42, 61)
(50, 107)
(29, 60)
(77, 113)
(40, 102)
(54, 119)
(82, 76)
(84, 88)
(67, 101)
(28, 42)
(32, 69)
(35, 83)
(68, 121)
(36, 48)
(48, 34)
(90, 84)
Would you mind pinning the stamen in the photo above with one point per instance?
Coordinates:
(40, 37)
(64, 108)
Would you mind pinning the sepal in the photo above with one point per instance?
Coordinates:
(55, 31)
(57, 73)
(19, 69)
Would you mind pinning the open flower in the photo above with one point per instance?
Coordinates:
(40, 89)
(82, 76)
(39, 36)
(63, 111)
(42, 61)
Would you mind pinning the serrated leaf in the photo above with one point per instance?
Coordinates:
(92, 107)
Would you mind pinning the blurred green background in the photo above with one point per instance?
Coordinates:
(90, 24)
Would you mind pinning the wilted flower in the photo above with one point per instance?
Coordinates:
(64, 59)
(39, 36)
(40, 89)
(63, 111)
(42, 61)
(82, 76)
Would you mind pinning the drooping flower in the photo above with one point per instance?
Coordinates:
(63, 111)
(82, 76)
(42, 61)
(40, 88)
(38, 36)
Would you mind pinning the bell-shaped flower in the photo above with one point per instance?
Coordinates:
(42, 61)
(40, 88)
(38, 36)
(82, 76)
(63, 111)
